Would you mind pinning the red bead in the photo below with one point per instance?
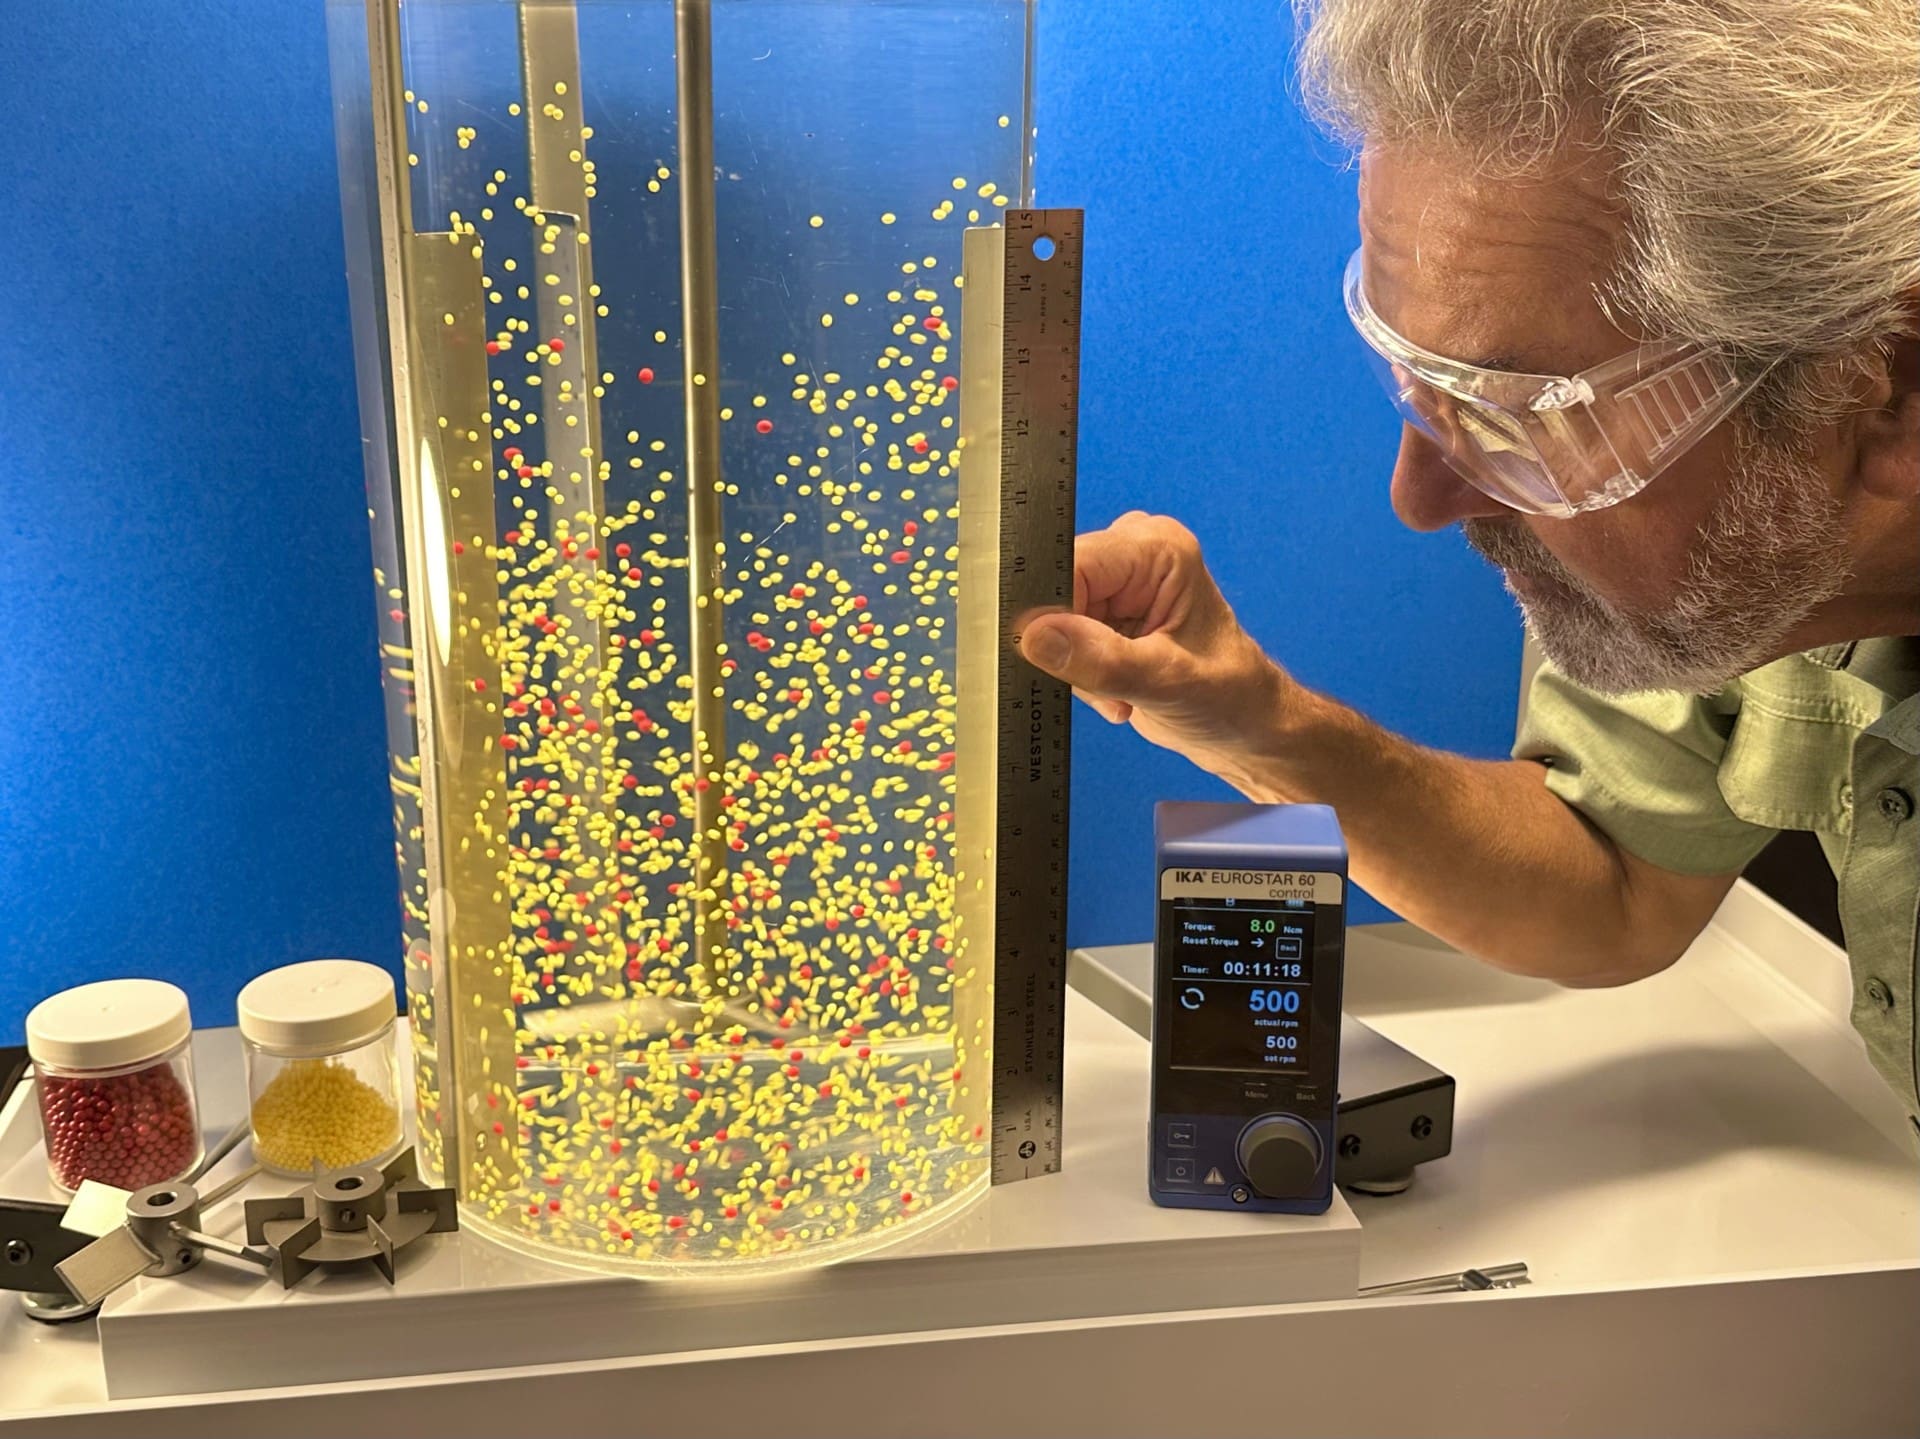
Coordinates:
(129, 1129)
(646, 376)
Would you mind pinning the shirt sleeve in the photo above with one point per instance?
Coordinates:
(1644, 768)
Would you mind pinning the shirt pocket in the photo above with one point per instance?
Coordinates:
(1789, 759)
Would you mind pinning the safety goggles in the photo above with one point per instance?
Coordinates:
(1552, 444)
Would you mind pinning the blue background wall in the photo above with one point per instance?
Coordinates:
(191, 765)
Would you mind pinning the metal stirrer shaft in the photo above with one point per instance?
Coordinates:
(700, 302)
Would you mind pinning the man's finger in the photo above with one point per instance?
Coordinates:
(1092, 657)
(1127, 572)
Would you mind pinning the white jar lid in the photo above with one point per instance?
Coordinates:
(322, 1004)
(109, 1024)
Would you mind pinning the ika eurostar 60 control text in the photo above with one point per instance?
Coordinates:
(1249, 946)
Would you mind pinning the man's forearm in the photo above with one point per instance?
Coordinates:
(1479, 852)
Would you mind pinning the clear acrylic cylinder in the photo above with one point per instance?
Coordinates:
(657, 310)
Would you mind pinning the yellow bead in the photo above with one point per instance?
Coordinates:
(320, 1111)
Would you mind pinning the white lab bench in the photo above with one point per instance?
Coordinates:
(1718, 1200)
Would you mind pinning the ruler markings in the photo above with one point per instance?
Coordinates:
(1039, 432)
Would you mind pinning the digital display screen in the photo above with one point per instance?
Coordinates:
(1237, 983)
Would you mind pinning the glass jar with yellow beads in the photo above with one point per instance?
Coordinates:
(322, 1086)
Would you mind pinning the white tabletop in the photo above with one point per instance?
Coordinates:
(1694, 1136)
(1717, 1119)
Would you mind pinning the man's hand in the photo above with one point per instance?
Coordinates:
(1479, 852)
(1152, 642)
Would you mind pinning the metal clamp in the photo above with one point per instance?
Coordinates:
(159, 1228)
(159, 1233)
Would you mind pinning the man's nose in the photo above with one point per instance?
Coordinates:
(1427, 493)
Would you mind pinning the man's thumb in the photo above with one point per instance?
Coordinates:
(1085, 653)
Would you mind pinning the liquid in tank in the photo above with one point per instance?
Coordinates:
(657, 315)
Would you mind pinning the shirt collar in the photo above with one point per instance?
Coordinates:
(1833, 657)
(1900, 726)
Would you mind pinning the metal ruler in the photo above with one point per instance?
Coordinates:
(1020, 405)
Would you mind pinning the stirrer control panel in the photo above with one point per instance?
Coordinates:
(1249, 947)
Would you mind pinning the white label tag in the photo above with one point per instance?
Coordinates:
(1210, 883)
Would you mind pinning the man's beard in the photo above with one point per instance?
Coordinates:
(1771, 552)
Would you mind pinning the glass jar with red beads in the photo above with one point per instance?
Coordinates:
(113, 1068)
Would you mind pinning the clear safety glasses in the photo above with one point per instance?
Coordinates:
(1552, 444)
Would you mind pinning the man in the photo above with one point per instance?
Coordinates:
(1644, 281)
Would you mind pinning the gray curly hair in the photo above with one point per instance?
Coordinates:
(1768, 152)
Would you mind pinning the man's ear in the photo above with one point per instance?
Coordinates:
(1887, 428)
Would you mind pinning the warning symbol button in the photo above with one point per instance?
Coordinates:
(1214, 1176)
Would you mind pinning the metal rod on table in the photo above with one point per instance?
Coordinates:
(226, 1144)
(228, 1186)
(200, 1239)
(1491, 1276)
(706, 559)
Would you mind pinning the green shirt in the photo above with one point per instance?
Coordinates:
(1827, 741)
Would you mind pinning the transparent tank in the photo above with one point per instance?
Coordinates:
(657, 315)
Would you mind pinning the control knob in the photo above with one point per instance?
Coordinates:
(1280, 1155)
